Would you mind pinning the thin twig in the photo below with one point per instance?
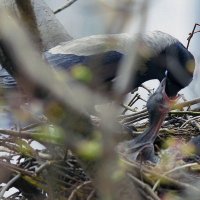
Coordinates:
(187, 103)
(185, 113)
(189, 120)
(133, 100)
(14, 168)
(176, 106)
(191, 34)
(137, 119)
(91, 195)
(136, 115)
(35, 136)
(195, 123)
(173, 170)
(147, 89)
(127, 108)
(31, 126)
(41, 167)
(142, 99)
(132, 114)
(144, 186)
(9, 184)
(77, 188)
(165, 178)
(65, 6)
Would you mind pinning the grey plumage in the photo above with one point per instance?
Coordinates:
(157, 52)
(154, 41)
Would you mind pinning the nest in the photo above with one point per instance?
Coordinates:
(55, 173)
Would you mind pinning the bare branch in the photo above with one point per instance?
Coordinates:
(172, 170)
(186, 103)
(192, 34)
(144, 186)
(9, 184)
(65, 6)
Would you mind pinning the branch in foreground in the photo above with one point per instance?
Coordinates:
(28, 17)
(51, 30)
(35, 71)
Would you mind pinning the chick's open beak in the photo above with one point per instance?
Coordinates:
(158, 106)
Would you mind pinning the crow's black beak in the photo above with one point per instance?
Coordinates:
(158, 106)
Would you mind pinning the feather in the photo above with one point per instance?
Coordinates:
(156, 41)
